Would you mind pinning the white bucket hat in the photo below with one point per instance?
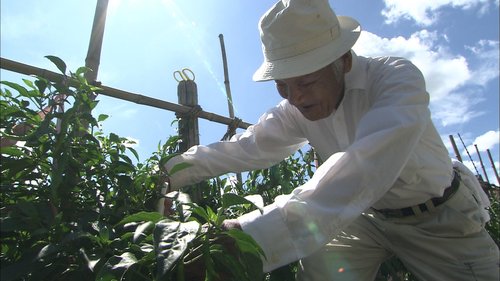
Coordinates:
(302, 36)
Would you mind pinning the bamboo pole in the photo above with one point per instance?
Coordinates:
(468, 154)
(187, 94)
(116, 93)
(226, 77)
(493, 165)
(93, 58)
(230, 130)
(482, 165)
(455, 148)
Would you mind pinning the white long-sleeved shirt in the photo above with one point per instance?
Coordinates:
(380, 146)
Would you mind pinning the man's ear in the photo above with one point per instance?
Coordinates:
(347, 57)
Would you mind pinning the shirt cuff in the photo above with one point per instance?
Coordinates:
(178, 179)
(270, 232)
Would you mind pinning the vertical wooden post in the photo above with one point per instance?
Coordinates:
(226, 77)
(471, 161)
(93, 58)
(482, 165)
(187, 94)
(454, 145)
(493, 165)
(231, 131)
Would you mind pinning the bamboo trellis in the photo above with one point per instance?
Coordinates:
(120, 94)
(486, 184)
(187, 108)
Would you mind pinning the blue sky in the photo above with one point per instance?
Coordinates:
(454, 42)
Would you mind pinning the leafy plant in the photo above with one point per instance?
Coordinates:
(75, 206)
(493, 226)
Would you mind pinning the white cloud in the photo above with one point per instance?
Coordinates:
(487, 53)
(474, 166)
(455, 109)
(446, 74)
(486, 141)
(426, 12)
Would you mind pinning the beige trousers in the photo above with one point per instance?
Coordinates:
(448, 243)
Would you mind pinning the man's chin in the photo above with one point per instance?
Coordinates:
(314, 116)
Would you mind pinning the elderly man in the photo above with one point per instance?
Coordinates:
(387, 185)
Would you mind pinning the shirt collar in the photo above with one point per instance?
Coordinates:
(356, 78)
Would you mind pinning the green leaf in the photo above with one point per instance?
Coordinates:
(58, 62)
(20, 89)
(9, 224)
(18, 269)
(28, 208)
(200, 211)
(245, 242)
(29, 83)
(140, 217)
(229, 263)
(231, 199)
(104, 233)
(41, 84)
(179, 167)
(82, 70)
(212, 216)
(114, 138)
(48, 250)
(254, 267)
(171, 240)
(164, 159)
(116, 267)
(141, 229)
(11, 151)
(134, 152)
(102, 117)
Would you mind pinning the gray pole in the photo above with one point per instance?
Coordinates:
(493, 165)
(95, 45)
(231, 130)
(454, 145)
(468, 154)
(482, 165)
(226, 77)
(187, 94)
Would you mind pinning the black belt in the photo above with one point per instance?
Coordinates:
(436, 201)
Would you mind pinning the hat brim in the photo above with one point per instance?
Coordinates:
(313, 60)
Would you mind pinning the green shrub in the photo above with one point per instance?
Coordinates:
(76, 207)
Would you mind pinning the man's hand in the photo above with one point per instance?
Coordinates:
(168, 205)
(230, 224)
(165, 204)
(227, 241)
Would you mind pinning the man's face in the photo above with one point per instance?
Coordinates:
(315, 95)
